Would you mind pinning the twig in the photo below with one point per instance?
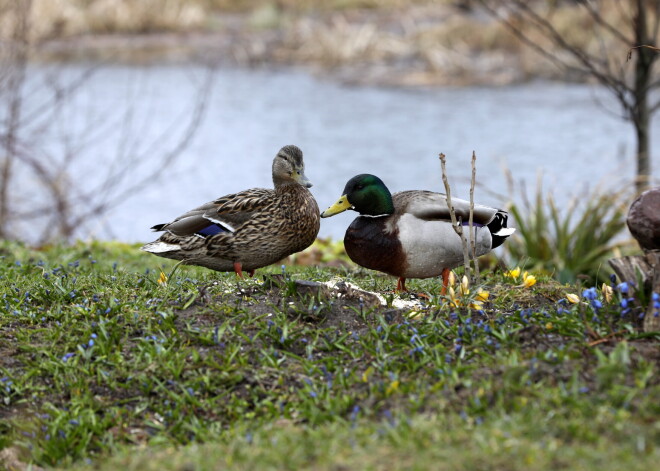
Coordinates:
(473, 231)
(608, 338)
(653, 48)
(457, 225)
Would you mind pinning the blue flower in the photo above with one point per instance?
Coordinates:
(623, 287)
(354, 413)
(590, 294)
(66, 356)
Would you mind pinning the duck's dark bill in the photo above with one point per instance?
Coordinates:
(340, 206)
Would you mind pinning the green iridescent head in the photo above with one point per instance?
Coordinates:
(366, 194)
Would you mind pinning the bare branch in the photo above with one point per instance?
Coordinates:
(588, 62)
(598, 18)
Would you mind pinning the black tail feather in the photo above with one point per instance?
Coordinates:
(498, 223)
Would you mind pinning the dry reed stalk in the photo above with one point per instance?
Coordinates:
(472, 229)
(457, 225)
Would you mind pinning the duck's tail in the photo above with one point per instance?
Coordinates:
(498, 230)
(161, 248)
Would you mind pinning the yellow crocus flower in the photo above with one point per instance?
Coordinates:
(528, 280)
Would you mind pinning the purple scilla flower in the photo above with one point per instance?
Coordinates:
(417, 349)
(74, 422)
(590, 294)
(66, 356)
(623, 287)
(596, 304)
(354, 413)
(655, 297)
(91, 342)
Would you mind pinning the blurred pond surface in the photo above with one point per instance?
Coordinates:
(563, 133)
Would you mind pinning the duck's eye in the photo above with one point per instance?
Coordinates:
(298, 172)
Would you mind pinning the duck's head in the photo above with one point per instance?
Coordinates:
(366, 194)
(289, 168)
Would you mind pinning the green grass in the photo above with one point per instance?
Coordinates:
(101, 365)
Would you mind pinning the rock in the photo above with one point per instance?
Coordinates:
(644, 219)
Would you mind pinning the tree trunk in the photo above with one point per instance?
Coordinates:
(641, 116)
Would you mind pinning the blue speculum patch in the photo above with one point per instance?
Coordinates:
(211, 230)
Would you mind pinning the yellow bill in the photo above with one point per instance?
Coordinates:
(340, 206)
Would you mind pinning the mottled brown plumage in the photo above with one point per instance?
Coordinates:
(250, 229)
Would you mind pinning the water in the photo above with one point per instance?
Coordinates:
(557, 131)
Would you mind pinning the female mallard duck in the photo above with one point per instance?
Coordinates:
(250, 229)
(409, 234)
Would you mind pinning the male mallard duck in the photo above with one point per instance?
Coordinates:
(409, 234)
(250, 229)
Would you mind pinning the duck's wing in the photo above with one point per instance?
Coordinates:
(431, 206)
(224, 214)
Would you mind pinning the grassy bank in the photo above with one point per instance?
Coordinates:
(106, 361)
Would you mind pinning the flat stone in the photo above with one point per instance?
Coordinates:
(644, 219)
